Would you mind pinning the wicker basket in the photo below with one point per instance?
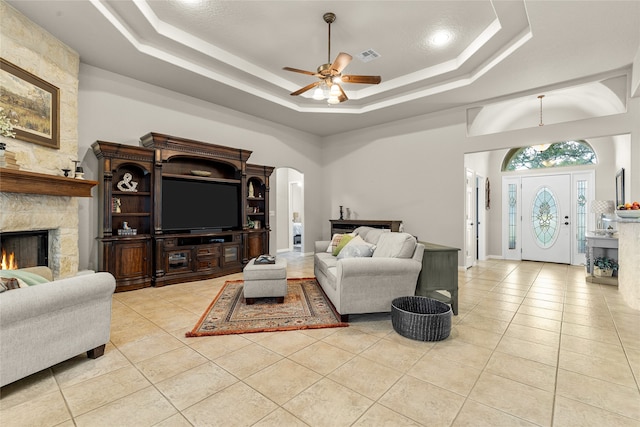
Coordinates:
(421, 318)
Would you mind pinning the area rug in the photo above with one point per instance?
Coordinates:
(304, 307)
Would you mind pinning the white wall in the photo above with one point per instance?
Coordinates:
(118, 109)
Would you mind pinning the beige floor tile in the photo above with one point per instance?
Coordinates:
(46, 410)
(541, 312)
(171, 363)
(597, 367)
(471, 335)
(474, 414)
(514, 299)
(216, 346)
(445, 373)
(248, 360)
(484, 323)
(587, 332)
(422, 402)
(190, 387)
(593, 320)
(95, 392)
(27, 389)
(549, 305)
(222, 408)
(282, 380)
(493, 313)
(601, 394)
(612, 352)
(545, 297)
(286, 343)
(536, 335)
(521, 400)
(525, 371)
(280, 418)
(143, 408)
(462, 352)
(537, 322)
(393, 354)
(378, 415)
(149, 347)
(327, 403)
(529, 350)
(366, 377)
(351, 339)
(573, 413)
(321, 357)
(81, 368)
(177, 420)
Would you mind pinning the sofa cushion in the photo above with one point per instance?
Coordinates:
(357, 247)
(343, 242)
(395, 245)
(370, 234)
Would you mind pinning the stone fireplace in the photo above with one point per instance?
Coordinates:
(57, 215)
(24, 249)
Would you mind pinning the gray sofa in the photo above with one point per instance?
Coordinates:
(357, 285)
(48, 323)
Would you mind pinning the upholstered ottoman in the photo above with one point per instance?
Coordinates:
(265, 280)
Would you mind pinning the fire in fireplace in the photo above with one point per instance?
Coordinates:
(24, 249)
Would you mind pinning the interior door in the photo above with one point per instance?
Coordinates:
(470, 220)
(546, 213)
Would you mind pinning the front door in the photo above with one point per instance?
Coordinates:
(546, 213)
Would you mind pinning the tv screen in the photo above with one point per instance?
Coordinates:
(199, 205)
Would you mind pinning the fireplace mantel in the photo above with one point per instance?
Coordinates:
(17, 181)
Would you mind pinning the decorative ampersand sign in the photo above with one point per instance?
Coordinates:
(127, 184)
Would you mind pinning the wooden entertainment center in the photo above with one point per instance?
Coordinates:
(134, 243)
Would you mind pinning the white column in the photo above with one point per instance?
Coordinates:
(629, 261)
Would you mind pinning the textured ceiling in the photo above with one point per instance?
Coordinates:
(231, 53)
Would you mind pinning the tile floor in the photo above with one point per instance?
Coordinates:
(533, 344)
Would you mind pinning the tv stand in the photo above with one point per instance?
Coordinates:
(188, 257)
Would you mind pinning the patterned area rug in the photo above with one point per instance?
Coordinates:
(304, 307)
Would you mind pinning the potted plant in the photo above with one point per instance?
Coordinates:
(604, 267)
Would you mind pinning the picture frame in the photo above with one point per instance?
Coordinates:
(32, 104)
(620, 187)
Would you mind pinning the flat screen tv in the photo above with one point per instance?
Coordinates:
(191, 205)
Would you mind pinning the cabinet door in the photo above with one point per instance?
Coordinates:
(131, 260)
(256, 245)
(178, 261)
(230, 255)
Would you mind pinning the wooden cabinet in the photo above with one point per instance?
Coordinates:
(257, 210)
(439, 273)
(125, 213)
(348, 225)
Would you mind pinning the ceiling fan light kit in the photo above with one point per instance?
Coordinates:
(330, 74)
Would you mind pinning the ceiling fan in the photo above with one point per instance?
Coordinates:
(330, 74)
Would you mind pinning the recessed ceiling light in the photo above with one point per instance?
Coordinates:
(440, 38)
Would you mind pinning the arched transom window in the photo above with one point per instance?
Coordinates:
(557, 154)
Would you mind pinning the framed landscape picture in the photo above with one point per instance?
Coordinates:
(32, 105)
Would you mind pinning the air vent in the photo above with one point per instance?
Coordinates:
(368, 55)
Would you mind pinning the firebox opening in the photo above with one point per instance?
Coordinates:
(23, 249)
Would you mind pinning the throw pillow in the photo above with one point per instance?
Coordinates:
(335, 241)
(395, 245)
(24, 276)
(356, 248)
(343, 242)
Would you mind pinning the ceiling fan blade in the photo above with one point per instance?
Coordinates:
(295, 70)
(369, 80)
(343, 96)
(341, 61)
(306, 88)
